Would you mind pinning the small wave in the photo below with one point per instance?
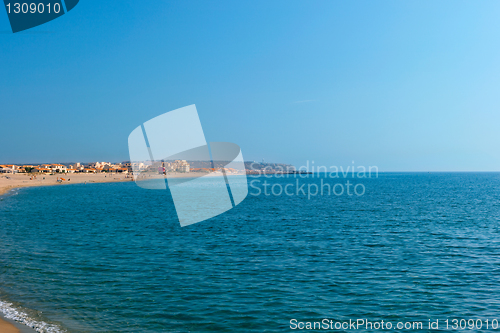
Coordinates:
(10, 312)
(9, 193)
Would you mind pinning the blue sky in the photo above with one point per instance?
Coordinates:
(405, 86)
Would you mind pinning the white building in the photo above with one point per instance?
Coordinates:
(7, 169)
(58, 167)
(99, 165)
(176, 166)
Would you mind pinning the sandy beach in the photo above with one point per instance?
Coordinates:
(10, 326)
(9, 181)
(6, 327)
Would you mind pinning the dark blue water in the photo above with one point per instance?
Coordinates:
(113, 257)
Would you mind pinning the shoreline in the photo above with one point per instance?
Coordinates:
(12, 326)
(10, 182)
(8, 327)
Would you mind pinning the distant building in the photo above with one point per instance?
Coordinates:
(99, 165)
(183, 166)
(135, 166)
(41, 170)
(58, 167)
(176, 166)
(8, 169)
(122, 170)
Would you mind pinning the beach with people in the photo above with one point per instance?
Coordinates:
(12, 181)
(14, 176)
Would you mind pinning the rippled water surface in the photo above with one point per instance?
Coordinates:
(113, 258)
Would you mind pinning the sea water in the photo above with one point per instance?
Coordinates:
(113, 257)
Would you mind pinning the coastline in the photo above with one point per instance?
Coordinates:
(12, 326)
(10, 182)
(15, 320)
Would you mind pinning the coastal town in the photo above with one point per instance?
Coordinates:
(27, 175)
(127, 167)
(61, 168)
(95, 167)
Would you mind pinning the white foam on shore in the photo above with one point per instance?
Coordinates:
(10, 312)
(10, 193)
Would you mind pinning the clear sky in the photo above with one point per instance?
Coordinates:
(403, 85)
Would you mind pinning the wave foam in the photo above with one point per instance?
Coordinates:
(10, 312)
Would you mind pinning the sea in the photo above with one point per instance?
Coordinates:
(403, 249)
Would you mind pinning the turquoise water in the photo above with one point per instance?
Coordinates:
(113, 258)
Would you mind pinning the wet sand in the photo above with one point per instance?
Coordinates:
(6, 327)
(11, 326)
